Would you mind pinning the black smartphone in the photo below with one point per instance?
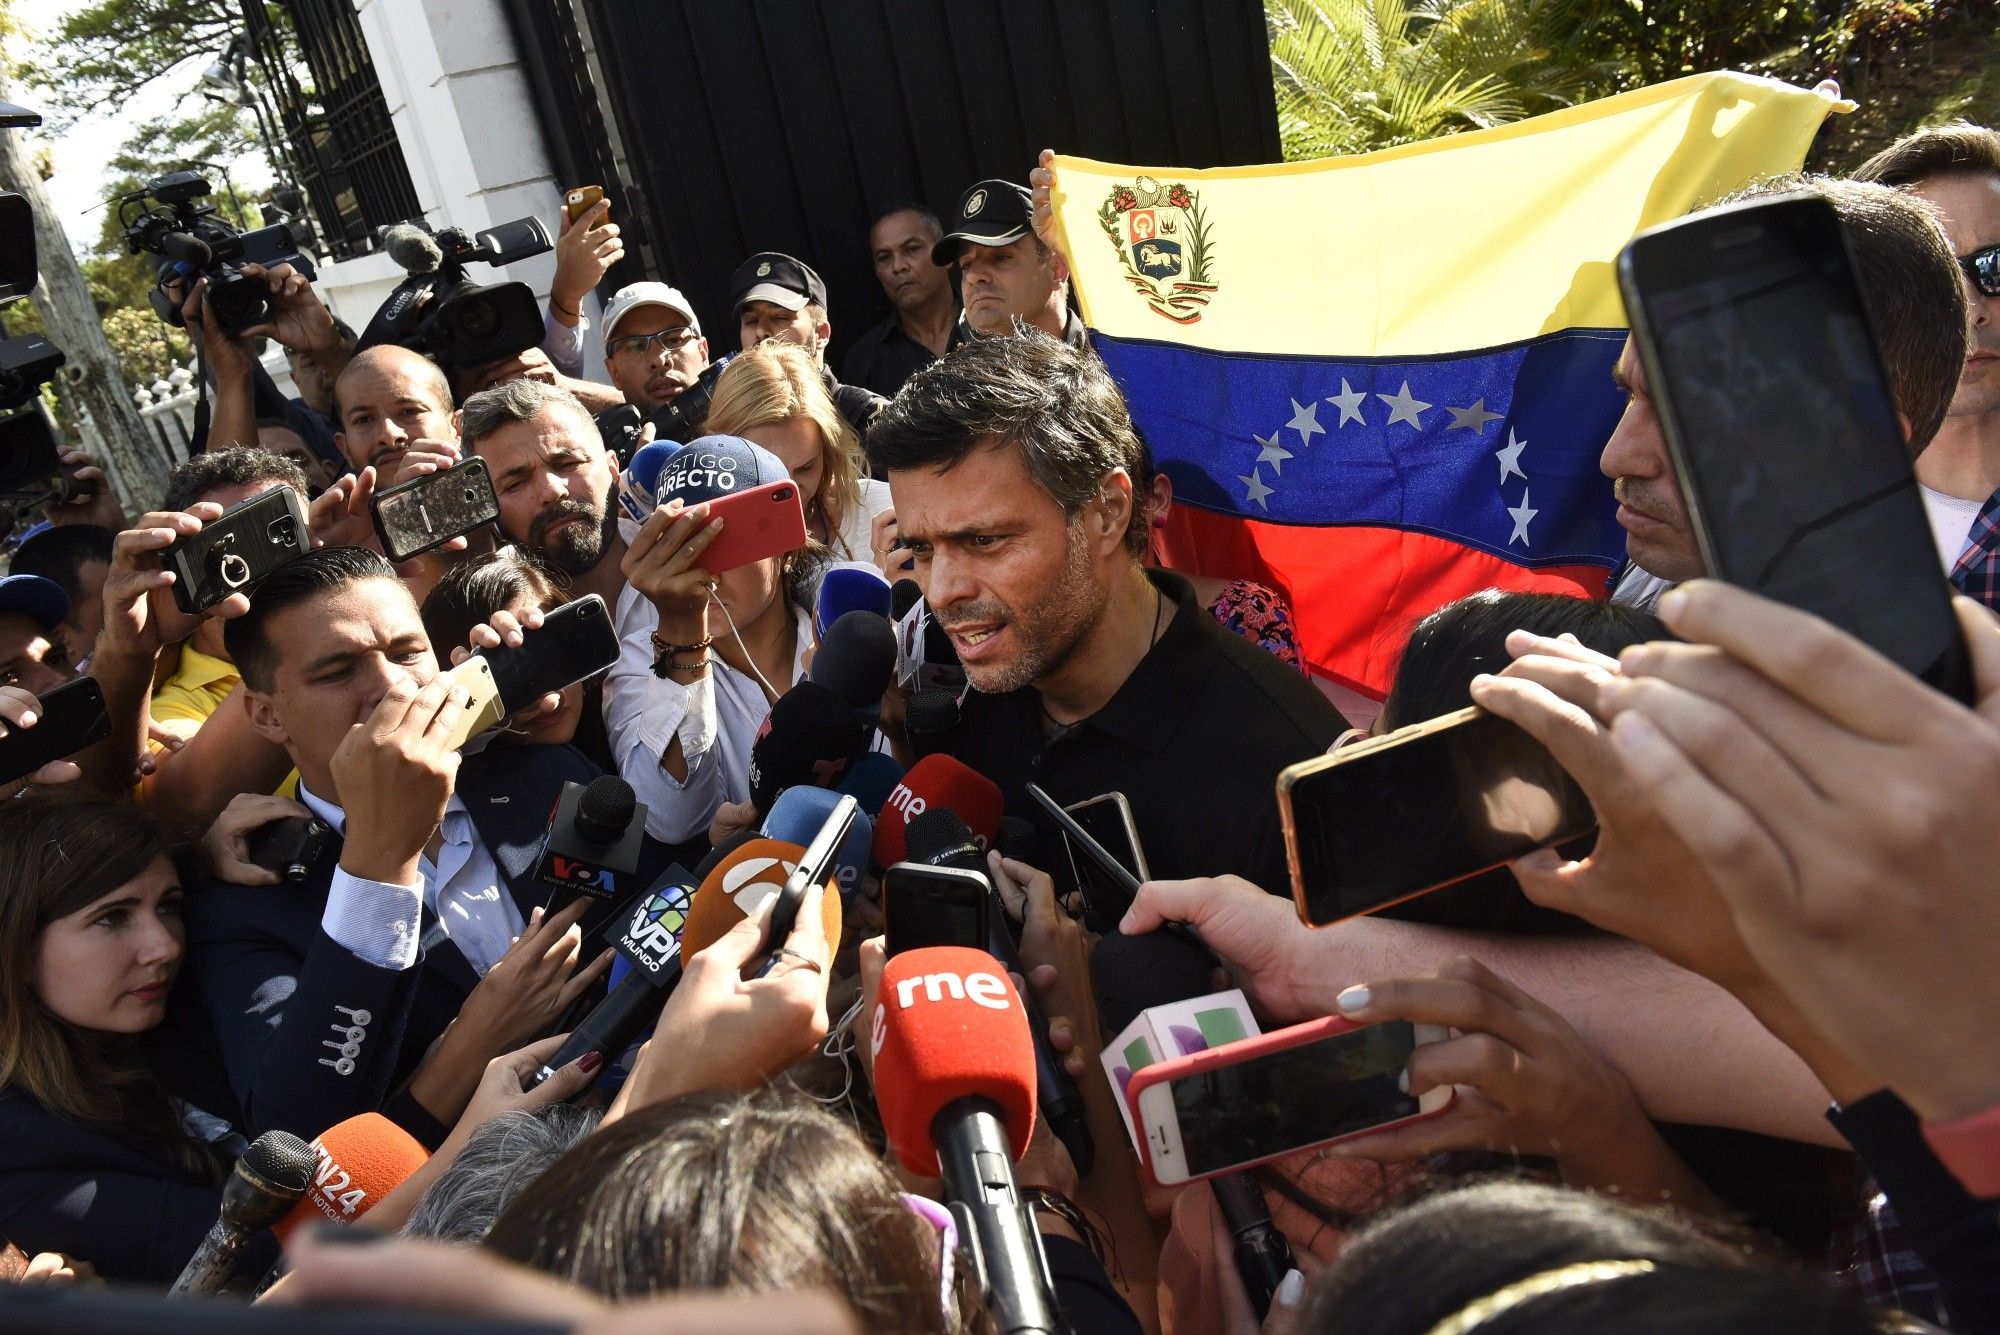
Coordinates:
(574, 643)
(814, 865)
(250, 540)
(288, 848)
(1387, 819)
(426, 512)
(1749, 323)
(1107, 818)
(71, 717)
(1119, 886)
(933, 906)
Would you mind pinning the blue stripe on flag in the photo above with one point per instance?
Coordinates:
(1495, 449)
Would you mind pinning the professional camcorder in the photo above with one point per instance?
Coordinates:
(192, 241)
(441, 313)
(31, 473)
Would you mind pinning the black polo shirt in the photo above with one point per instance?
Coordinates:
(1194, 739)
(1074, 332)
(884, 357)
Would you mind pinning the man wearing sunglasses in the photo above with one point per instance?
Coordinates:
(1956, 170)
(653, 348)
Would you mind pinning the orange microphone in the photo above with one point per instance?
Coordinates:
(741, 885)
(361, 1160)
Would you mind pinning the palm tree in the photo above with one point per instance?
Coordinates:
(1354, 75)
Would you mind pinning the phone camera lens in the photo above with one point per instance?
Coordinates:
(283, 531)
(782, 494)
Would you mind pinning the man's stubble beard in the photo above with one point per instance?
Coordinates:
(1051, 629)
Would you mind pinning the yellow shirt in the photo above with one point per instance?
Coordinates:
(197, 689)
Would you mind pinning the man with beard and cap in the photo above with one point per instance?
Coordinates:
(555, 480)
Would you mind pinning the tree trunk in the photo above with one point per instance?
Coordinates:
(92, 385)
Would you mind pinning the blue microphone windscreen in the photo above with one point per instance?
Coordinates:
(870, 780)
(796, 817)
(851, 586)
(640, 492)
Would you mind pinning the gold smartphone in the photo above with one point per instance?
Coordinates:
(581, 200)
(475, 677)
(1393, 817)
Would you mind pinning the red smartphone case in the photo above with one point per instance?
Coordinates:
(763, 521)
(1312, 1031)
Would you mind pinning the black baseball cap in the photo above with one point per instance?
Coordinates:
(777, 278)
(993, 213)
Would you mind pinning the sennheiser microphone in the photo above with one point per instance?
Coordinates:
(412, 248)
(266, 1182)
(929, 717)
(1130, 974)
(955, 1084)
(810, 738)
(941, 838)
(595, 836)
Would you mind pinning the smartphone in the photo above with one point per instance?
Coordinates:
(1389, 818)
(426, 512)
(475, 677)
(1269, 1095)
(1749, 323)
(574, 643)
(250, 540)
(288, 848)
(1121, 885)
(70, 718)
(763, 521)
(815, 866)
(1106, 818)
(581, 200)
(925, 906)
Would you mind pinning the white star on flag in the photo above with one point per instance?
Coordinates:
(1305, 421)
(1473, 419)
(1273, 453)
(1522, 514)
(1509, 456)
(1258, 491)
(1404, 407)
(1349, 401)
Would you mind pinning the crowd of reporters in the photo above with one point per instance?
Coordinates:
(1786, 907)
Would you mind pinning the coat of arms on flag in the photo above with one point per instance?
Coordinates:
(1162, 238)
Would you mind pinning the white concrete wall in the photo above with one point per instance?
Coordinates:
(465, 118)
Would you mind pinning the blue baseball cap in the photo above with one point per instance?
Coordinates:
(713, 466)
(31, 595)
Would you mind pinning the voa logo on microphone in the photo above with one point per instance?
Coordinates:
(981, 989)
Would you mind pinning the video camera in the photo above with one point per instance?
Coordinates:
(441, 313)
(31, 473)
(165, 219)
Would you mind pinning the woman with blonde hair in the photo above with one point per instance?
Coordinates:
(774, 396)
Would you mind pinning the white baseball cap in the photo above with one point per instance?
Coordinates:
(635, 295)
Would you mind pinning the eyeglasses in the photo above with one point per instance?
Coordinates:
(671, 340)
(1983, 268)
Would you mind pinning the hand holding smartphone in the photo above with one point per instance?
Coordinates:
(430, 510)
(245, 543)
(815, 867)
(925, 906)
(69, 718)
(579, 200)
(574, 643)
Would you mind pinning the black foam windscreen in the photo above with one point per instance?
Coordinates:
(931, 711)
(1016, 839)
(606, 808)
(940, 837)
(808, 739)
(1130, 974)
(856, 658)
(903, 595)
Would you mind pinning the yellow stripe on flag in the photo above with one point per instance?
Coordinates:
(1469, 241)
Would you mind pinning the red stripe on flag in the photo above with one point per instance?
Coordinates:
(1355, 591)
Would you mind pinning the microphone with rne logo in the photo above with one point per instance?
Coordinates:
(649, 940)
(360, 1161)
(955, 1084)
(810, 738)
(799, 813)
(267, 1180)
(937, 781)
(594, 837)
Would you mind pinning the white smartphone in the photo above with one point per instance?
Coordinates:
(1263, 1097)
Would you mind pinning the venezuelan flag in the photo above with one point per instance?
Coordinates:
(1382, 382)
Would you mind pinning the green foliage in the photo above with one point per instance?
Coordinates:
(146, 348)
(1651, 41)
(1354, 75)
(106, 51)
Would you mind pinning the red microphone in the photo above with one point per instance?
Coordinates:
(937, 781)
(955, 1083)
(360, 1161)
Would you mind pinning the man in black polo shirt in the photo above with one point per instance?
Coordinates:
(1006, 272)
(924, 308)
(1009, 461)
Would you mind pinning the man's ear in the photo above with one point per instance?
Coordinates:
(1904, 423)
(824, 332)
(264, 717)
(1115, 514)
(340, 445)
(457, 429)
(1058, 265)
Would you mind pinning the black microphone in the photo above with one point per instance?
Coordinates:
(1130, 974)
(903, 595)
(940, 838)
(594, 837)
(1016, 839)
(929, 718)
(809, 738)
(856, 659)
(650, 940)
(265, 1184)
